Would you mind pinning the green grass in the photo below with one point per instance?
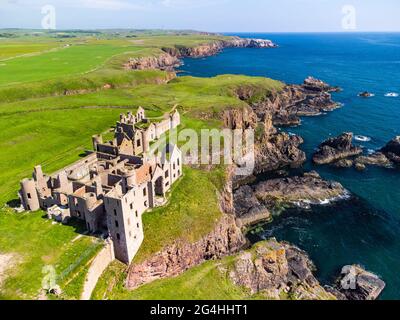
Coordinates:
(208, 281)
(188, 216)
(52, 102)
(37, 242)
(17, 48)
(76, 59)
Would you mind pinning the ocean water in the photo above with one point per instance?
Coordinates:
(365, 230)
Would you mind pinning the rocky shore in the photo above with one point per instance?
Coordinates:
(311, 98)
(255, 203)
(341, 152)
(277, 271)
(335, 150)
(273, 269)
(355, 283)
(171, 56)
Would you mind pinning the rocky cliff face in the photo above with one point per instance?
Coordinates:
(278, 271)
(273, 149)
(170, 59)
(287, 106)
(226, 239)
(164, 62)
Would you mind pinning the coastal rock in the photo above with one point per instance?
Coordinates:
(277, 271)
(174, 259)
(335, 149)
(273, 150)
(288, 105)
(344, 163)
(357, 284)
(386, 157)
(375, 159)
(299, 190)
(392, 150)
(365, 94)
(307, 189)
(170, 58)
(248, 208)
(164, 62)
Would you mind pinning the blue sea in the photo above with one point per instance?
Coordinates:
(365, 230)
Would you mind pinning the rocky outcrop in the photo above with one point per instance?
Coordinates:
(288, 105)
(278, 271)
(174, 259)
(357, 284)
(170, 58)
(335, 149)
(365, 94)
(164, 62)
(248, 209)
(387, 157)
(273, 149)
(292, 191)
(392, 150)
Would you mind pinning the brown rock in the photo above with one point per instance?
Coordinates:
(335, 149)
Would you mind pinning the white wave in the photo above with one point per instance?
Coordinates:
(306, 204)
(392, 95)
(362, 138)
(370, 151)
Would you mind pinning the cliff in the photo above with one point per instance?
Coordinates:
(278, 271)
(311, 98)
(273, 149)
(174, 259)
(170, 58)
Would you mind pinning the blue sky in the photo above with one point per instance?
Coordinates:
(206, 15)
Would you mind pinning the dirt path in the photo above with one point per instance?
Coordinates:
(6, 262)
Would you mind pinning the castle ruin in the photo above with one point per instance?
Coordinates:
(113, 185)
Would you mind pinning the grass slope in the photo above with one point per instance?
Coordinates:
(39, 128)
(208, 281)
(37, 242)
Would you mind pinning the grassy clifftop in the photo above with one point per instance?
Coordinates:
(38, 127)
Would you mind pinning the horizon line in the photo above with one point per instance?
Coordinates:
(194, 30)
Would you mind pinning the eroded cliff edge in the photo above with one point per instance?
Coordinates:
(170, 58)
(277, 270)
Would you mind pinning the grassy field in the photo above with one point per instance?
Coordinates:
(36, 242)
(39, 124)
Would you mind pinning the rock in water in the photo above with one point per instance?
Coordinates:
(366, 94)
(392, 150)
(357, 284)
(300, 190)
(335, 149)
